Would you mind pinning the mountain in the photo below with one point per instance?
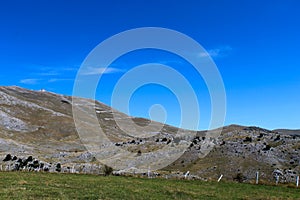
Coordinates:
(37, 128)
(288, 132)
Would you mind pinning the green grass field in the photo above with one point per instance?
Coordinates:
(21, 185)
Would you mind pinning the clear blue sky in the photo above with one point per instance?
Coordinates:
(255, 45)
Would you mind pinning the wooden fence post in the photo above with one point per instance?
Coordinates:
(220, 178)
(257, 177)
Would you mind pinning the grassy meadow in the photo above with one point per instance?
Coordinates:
(22, 185)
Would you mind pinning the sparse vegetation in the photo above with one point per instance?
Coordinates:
(248, 139)
(267, 148)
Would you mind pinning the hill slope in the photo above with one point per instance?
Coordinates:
(40, 124)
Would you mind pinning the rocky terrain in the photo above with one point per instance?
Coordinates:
(37, 132)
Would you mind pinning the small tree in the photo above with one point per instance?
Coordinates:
(107, 170)
(7, 158)
(239, 178)
(29, 159)
(139, 153)
(36, 164)
(58, 167)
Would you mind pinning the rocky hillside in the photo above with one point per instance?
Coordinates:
(242, 151)
(37, 131)
(40, 124)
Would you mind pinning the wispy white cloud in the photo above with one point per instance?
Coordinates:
(53, 71)
(35, 81)
(52, 80)
(30, 81)
(44, 74)
(217, 52)
(100, 70)
(49, 73)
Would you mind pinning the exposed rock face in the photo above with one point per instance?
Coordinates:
(40, 124)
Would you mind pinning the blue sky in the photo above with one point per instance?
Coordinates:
(255, 45)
